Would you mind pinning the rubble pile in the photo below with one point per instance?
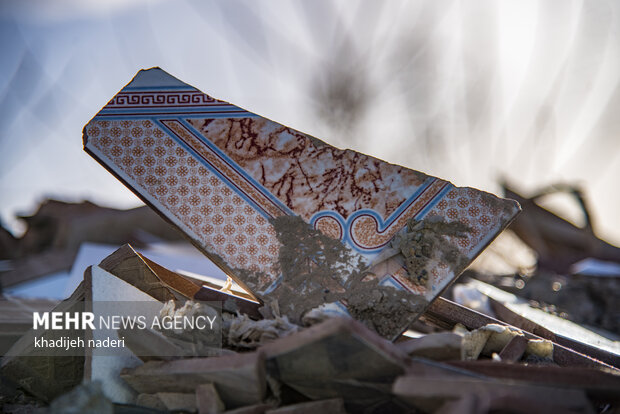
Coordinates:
(469, 362)
(334, 293)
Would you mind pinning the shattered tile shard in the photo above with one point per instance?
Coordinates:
(239, 379)
(262, 200)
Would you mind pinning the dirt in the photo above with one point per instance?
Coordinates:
(317, 269)
(386, 310)
(424, 240)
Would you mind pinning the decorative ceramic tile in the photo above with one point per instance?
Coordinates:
(245, 189)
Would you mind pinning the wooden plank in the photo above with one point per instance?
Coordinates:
(429, 394)
(446, 314)
(514, 350)
(513, 318)
(598, 384)
(557, 242)
(163, 284)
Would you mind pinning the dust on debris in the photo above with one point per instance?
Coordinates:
(424, 240)
(317, 269)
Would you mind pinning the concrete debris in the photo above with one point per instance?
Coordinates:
(493, 338)
(243, 332)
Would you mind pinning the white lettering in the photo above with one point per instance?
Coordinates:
(212, 320)
(40, 319)
(75, 320)
(87, 320)
(56, 320)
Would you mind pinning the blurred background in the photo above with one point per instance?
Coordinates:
(481, 93)
(470, 91)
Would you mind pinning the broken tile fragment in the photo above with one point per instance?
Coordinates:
(431, 394)
(151, 278)
(263, 200)
(208, 400)
(334, 405)
(239, 379)
(232, 302)
(150, 401)
(177, 401)
(337, 358)
(149, 345)
(251, 409)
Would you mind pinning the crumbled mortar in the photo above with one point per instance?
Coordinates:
(424, 240)
(243, 333)
(317, 269)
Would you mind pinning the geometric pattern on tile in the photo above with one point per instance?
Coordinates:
(220, 173)
(221, 219)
